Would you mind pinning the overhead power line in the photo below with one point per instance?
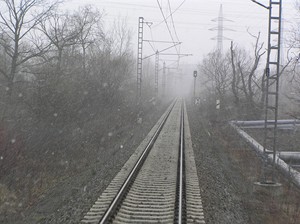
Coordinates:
(170, 14)
(153, 47)
(160, 41)
(165, 20)
(176, 43)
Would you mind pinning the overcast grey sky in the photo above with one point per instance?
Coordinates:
(192, 21)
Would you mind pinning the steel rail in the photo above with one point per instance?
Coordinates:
(125, 186)
(181, 187)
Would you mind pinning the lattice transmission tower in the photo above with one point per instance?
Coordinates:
(220, 28)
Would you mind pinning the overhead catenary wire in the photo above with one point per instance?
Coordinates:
(165, 20)
(159, 41)
(233, 14)
(170, 13)
(153, 47)
(162, 50)
(202, 25)
(173, 24)
(173, 63)
(172, 20)
(153, 7)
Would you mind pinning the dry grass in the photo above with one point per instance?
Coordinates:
(283, 209)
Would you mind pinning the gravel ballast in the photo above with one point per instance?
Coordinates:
(226, 168)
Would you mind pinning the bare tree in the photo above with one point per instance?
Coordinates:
(120, 37)
(88, 24)
(112, 60)
(235, 78)
(18, 19)
(244, 77)
(216, 70)
(62, 32)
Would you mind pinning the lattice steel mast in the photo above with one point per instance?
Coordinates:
(164, 79)
(140, 58)
(272, 73)
(156, 71)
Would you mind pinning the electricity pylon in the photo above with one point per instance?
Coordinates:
(220, 28)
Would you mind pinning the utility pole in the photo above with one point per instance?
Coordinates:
(156, 71)
(271, 91)
(157, 53)
(164, 79)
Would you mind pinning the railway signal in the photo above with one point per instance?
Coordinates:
(195, 76)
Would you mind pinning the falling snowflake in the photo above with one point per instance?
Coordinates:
(121, 146)
(20, 95)
(55, 114)
(13, 141)
(1, 158)
(110, 134)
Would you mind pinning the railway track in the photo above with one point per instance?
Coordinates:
(159, 183)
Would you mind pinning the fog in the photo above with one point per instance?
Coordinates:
(193, 21)
(195, 26)
(73, 109)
